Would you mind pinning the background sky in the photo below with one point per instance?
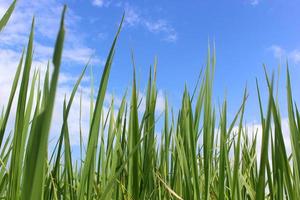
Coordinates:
(246, 33)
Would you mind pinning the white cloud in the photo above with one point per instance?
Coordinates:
(81, 55)
(254, 2)
(134, 17)
(160, 102)
(99, 3)
(256, 128)
(280, 53)
(172, 37)
(252, 128)
(74, 122)
(14, 38)
(47, 18)
(295, 56)
(157, 26)
(66, 81)
(162, 26)
(66, 78)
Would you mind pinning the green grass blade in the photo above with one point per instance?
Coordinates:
(37, 151)
(7, 15)
(94, 129)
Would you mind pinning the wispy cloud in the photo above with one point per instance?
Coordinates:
(46, 14)
(278, 51)
(134, 17)
(254, 2)
(295, 56)
(281, 53)
(101, 3)
(14, 38)
(162, 26)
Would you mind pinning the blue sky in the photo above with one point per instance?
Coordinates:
(247, 33)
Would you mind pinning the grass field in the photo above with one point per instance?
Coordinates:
(201, 154)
